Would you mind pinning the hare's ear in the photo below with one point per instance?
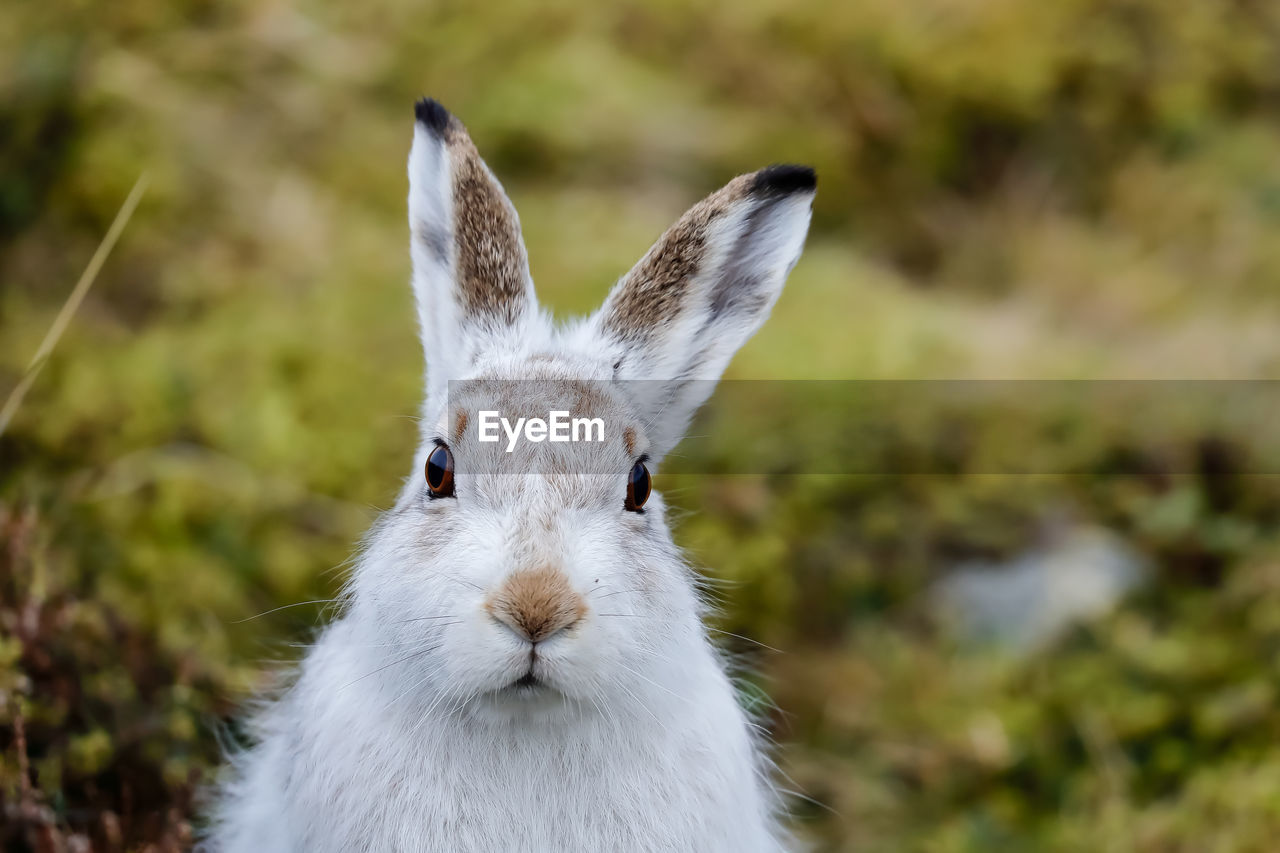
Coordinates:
(703, 289)
(470, 271)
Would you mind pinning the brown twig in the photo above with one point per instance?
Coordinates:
(25, 797)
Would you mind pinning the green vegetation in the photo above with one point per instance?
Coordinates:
(1012, 189)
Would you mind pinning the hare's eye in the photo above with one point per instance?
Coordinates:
(637, 487)
(440, 472)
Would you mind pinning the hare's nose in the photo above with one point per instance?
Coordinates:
(536, 604)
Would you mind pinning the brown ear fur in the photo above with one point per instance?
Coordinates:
(654, 289)
(655, 286)
(490, 265)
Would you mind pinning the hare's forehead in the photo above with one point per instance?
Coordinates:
(542, 414)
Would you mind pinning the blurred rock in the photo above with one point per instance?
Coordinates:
(1028, 601)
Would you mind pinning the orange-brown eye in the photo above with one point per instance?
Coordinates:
(637, 487)
(440, 472)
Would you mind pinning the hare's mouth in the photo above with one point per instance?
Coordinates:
(526, 697)
(529, 686)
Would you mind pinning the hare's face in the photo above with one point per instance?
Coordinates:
(540, 574)
(517, 572)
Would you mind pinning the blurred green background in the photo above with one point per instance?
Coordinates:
(1008, 189)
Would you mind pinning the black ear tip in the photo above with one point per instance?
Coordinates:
(784, 179)
(432, 114)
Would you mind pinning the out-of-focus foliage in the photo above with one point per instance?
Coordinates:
(1011, 188)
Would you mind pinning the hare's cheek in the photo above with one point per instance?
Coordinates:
(649, 520)
(434, 507)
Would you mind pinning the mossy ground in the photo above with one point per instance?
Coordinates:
(1008, 189)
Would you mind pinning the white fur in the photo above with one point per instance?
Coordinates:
(401, 731)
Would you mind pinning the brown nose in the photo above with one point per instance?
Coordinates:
(536, 604)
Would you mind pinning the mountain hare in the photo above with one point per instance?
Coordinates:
(520, 663)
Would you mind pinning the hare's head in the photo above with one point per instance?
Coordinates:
(516, 570)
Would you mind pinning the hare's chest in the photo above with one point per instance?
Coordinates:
(581, 793)
(589, 792)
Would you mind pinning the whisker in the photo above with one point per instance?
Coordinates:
(409, 656)
(614, 592)
(708, 627)
(436, 670)
(800, 796)
(399, 644)
(428, 619)
(746, 639)
(651, 681)
(286, 607)
(599, 710)
(462, 581)
(426, 715)
(636, 700)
